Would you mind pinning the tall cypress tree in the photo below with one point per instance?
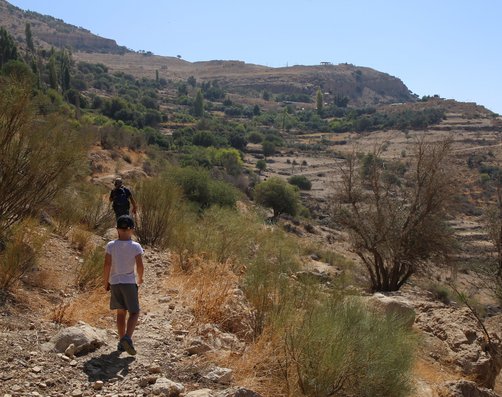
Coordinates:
(319, 101)
(65, 71)
(8, 49)
(198, 105)
(53, 77)
(29, 37)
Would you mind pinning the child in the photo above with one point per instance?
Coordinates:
(121, 256)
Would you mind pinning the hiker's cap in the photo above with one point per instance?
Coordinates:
(117, 181)
(125, 222)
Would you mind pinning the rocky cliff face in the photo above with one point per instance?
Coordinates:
(49, 31)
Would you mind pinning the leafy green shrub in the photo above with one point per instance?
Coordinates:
(261, 165)
(277, 194)
(301, 181)
(198, 186)
(342, 348)
(158, 201)
(255, 137)
(90, 272)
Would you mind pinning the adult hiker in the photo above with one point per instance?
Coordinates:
(120, 197)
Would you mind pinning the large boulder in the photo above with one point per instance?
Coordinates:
(455, 337)
(393, 305)
(83, 337)
(168, 388)
(220, 375)
(464, 388)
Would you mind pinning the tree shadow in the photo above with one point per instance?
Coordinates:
(107, 366)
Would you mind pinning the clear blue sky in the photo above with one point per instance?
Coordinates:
(447, 47)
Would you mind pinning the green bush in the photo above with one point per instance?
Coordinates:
(301, 181)
(227, 234)
(159, 202)
(266, 281)
(277, 194)
(198, 187)
(255, 137)
(268, 148)
(342, 348)
(261, 165)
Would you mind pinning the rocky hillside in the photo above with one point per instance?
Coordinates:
(49, 31)
(363, 86)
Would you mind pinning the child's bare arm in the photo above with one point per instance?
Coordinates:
(140, 268)
(106, 271)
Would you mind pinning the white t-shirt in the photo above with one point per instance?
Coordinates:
(123, 254)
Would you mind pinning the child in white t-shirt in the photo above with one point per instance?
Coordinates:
(122, 257)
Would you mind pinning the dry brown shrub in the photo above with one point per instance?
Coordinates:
(80, 239)
(61, 314)
(260, 368)
(90, 307)
(207, 289)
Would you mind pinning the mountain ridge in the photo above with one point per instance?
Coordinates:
(363, 86)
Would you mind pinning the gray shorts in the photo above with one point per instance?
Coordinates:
(124, 297)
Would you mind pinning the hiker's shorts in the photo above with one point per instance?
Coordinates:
(124, 297)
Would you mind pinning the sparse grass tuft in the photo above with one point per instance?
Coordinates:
(80, 239)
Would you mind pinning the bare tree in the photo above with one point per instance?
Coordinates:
(491, 271)
(395, 215)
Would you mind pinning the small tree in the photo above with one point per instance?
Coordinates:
(395, 228)
(268, 148)
(277, 194)
(261, 165)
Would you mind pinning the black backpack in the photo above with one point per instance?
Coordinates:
(120, 197)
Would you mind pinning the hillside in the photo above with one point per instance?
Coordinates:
(254, 286)
(49, 31)
(363, 86)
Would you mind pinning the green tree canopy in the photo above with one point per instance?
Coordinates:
(277, 194)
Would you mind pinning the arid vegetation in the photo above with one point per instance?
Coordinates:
(272, 216)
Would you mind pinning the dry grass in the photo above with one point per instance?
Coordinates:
(206, 289)
(91, 307)
(259, 368)
(80, 239)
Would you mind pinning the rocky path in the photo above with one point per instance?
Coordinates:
(169, 361)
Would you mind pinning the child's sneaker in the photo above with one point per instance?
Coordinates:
(126, 343)
(120, 348)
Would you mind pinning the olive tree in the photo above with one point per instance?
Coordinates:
(396, 220)
(277, 194)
